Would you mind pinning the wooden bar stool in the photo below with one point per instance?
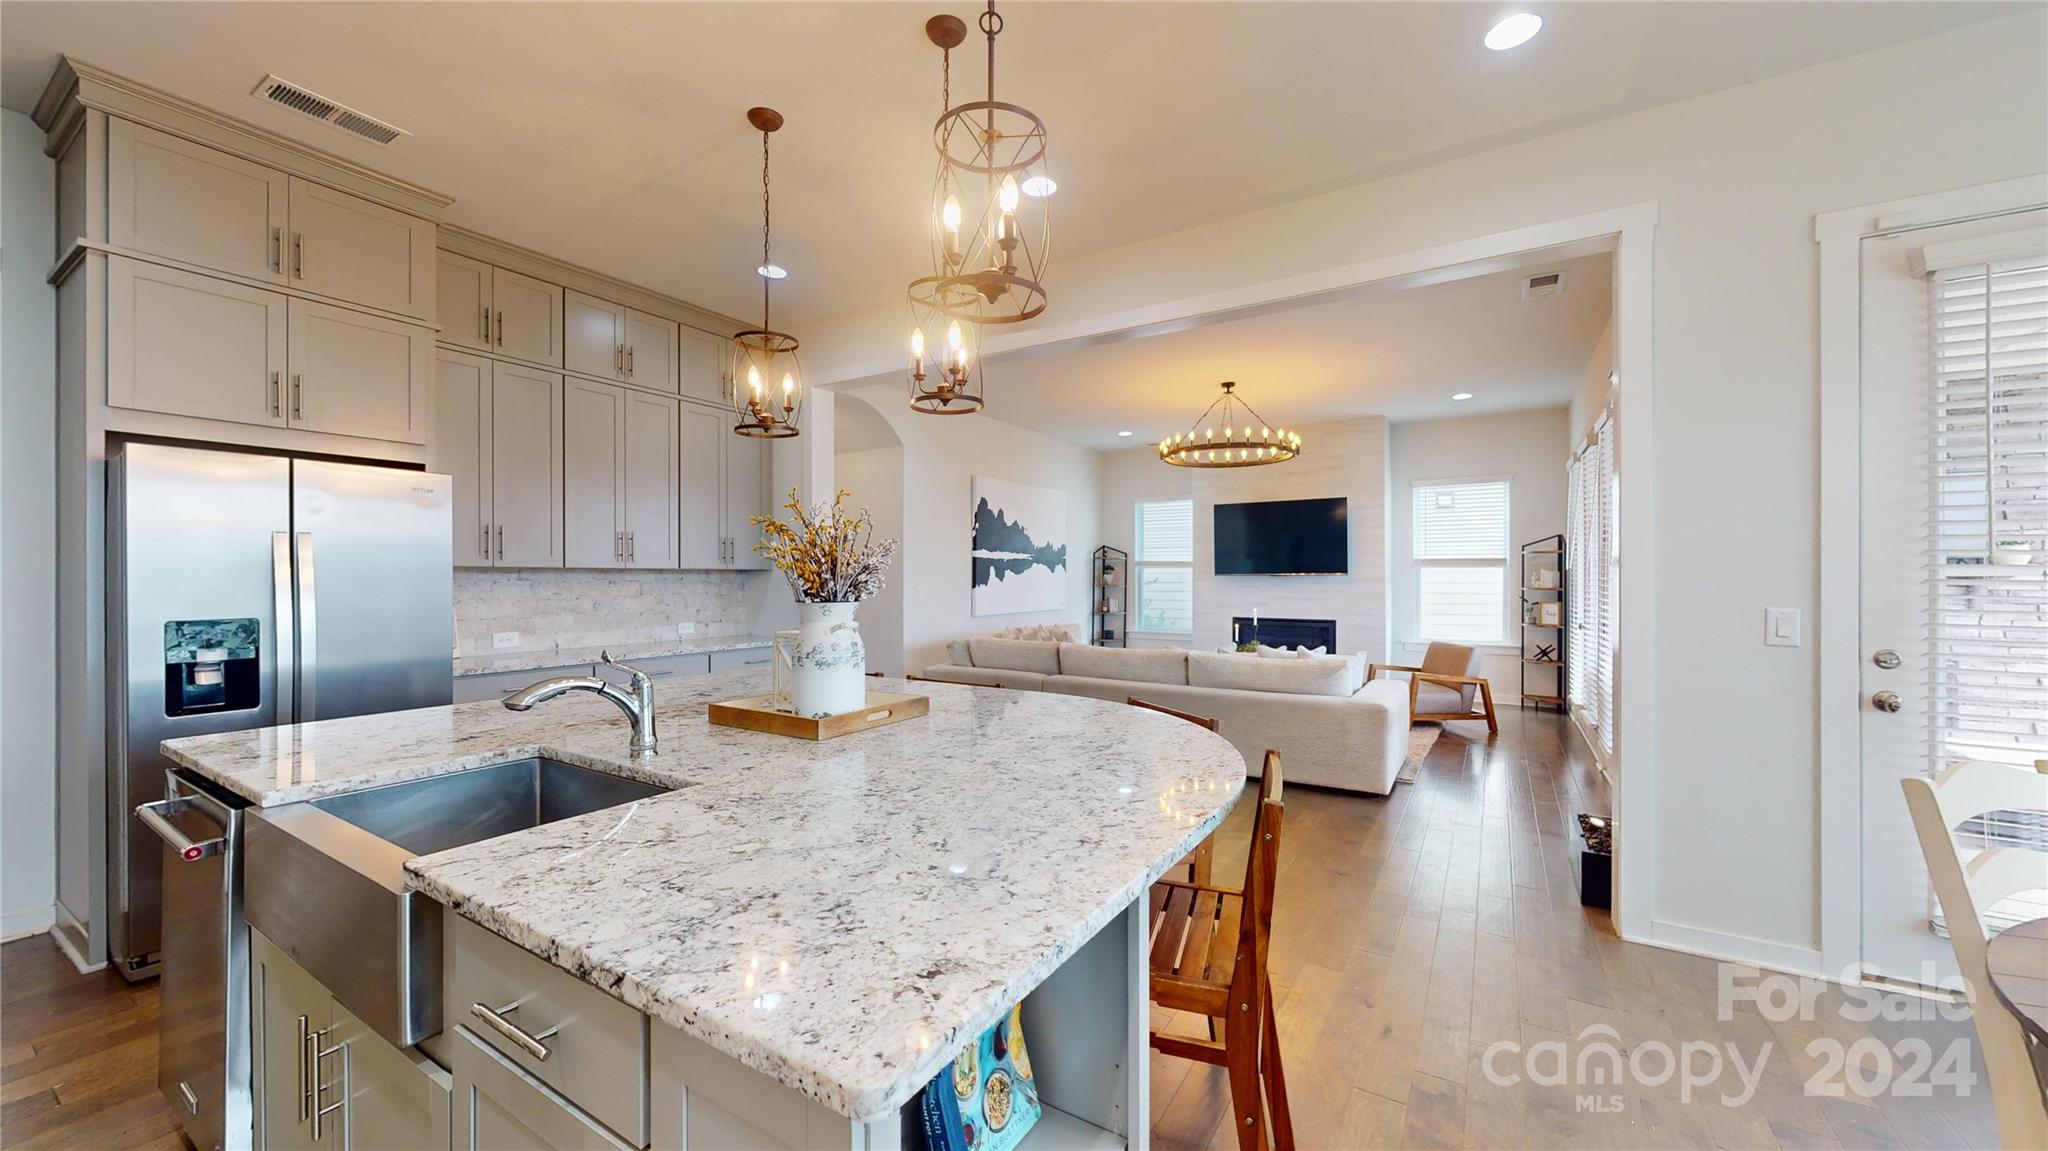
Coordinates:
(1209, 957)
(1198, 861)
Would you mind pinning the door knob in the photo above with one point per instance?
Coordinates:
(1886, 701)
(1885, 658)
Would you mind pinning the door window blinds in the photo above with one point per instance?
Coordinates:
(1592, 559)
(1986, 625)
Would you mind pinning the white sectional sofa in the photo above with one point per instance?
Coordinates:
(1331, 728)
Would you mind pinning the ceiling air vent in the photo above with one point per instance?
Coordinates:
(1547, 284)
(301, 100)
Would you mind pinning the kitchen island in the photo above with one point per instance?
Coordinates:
(812, 930)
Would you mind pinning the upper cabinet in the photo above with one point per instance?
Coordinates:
(194, 345)
(700, 365)
(650, 351)
(356, 374)
(526, 317)
(462, 300)
(348, 248)
(170, 197)
(615, 342)
(188, 202)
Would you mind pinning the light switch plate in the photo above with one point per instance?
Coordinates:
(1781, 627)
(504, 640)
(687, 627)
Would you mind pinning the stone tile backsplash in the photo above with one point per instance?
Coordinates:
(558, 609)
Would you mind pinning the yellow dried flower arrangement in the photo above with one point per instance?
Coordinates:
(827, 555)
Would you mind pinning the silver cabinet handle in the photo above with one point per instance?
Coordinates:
(319, 1088)
(501, 541)
(276, 393)
(307, 1039)
(487, 325)
(277, 249)
(485, 550)
(629, 359)
(618, 545)
(299, 254)
(190, 850)
(298, 395)
(494, 1018)
(501, 328)
(629, 547)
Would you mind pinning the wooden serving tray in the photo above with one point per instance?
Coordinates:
(754, 714)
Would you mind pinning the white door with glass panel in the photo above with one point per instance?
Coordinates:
(1954, 532)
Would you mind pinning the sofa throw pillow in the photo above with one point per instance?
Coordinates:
(957, 653)
(1015, 654)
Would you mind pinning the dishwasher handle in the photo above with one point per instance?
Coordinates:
(154, 813)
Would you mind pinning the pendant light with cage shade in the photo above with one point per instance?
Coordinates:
(766, 379)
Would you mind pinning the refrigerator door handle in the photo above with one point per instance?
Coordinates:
(309, 617)
(285, 660)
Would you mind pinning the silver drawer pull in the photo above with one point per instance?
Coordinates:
(534, 1045)
(190, 850)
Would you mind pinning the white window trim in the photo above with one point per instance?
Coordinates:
(1136, 608)
(1415, 566)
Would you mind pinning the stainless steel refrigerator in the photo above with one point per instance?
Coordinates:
(248, 591)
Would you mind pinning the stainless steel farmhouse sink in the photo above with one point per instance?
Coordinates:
(325, 879)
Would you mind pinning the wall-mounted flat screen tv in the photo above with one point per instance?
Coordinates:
(1283, 537)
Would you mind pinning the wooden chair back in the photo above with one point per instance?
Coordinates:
(1262, 869)
(1455, 659)
(1966, 890)
(1202, 720)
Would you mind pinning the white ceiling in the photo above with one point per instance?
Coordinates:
(1394, 351)
(613, 135)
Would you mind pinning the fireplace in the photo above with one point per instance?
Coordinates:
(1276, 632)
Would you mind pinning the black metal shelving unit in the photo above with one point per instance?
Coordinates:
(1543, 648)
(1110, 611)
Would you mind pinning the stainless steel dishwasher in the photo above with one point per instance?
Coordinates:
(203, 1010)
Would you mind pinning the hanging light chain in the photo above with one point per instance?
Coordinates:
(765, 263)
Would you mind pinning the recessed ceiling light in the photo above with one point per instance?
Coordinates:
(773, 272)
(1125, 432)
(1461, 395)
(1514, 31)
(1039, 186)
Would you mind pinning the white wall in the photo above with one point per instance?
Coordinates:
(1129, 477)
(1738, 176)
(875, 477)
(1526, 448)
(941, 457)
(1590, 398)
(1348, 459)
(28, 589)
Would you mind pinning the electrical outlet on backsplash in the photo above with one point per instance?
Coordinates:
(553, 609)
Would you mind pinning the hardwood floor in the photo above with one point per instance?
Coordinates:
(1414, 932)
(1411, 934)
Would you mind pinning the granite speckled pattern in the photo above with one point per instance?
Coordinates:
(841, 916)
(488, 663)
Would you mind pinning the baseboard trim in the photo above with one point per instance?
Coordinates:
(71, 939)
(1729, 948)
(26, 922)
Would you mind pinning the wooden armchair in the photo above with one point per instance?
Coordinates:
(1443, 687)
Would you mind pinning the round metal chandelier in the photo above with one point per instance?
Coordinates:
(766, 383)
(1246, 439)
(945, 358)
(990, 229)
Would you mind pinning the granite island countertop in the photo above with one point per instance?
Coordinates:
(532, 659)
(841, 916)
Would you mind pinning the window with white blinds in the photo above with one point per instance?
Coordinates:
(1163, 566)
(1460, 554)
(1987, 634)
(1592, 560)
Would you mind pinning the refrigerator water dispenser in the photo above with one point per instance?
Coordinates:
(211, 665)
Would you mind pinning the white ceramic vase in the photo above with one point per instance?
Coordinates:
(828, 666)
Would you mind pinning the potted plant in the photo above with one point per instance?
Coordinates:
(832, 562)
(2012, 553)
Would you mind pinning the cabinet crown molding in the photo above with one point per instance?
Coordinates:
(77, 86)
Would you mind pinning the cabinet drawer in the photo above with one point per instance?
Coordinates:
(597, 1056)
(498, 685)
(741, 659)
(498, 1107)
